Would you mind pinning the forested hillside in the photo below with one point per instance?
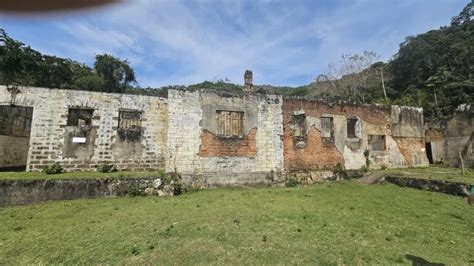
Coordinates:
(433, 70)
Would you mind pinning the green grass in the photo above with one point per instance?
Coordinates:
(76, 175)
(339, 223)
(436, 172)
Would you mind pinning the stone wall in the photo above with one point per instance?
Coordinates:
(52, 138)
(408, 132)
(13, 192)
(214, 136)
(195, 148)
(452, 136)
(403, 144)
(443, 186)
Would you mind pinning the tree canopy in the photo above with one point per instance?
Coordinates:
(22, 65)
(435, 69)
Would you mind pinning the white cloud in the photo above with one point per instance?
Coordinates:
(285, 43)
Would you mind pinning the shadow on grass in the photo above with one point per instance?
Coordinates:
(419, 261)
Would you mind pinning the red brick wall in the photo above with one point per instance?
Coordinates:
(214, 146)
(371, 114)
(315, 154)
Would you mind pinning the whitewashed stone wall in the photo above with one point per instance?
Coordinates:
(184, 137)
(269, 134)
(50, 113)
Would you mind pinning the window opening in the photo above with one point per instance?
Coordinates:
(230, 123)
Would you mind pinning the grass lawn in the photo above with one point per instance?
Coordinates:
(341, 223)
(75, 175)
(436, 172)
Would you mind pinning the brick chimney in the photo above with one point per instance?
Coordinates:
(248, 80)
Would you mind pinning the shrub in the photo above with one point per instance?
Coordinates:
(339, 168)
(52, 169)
(364, 168)
(292, 182)
(174, 180)
(367, 160)
(383, 167)
(106, 168)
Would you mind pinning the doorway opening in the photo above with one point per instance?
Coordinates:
(429, 152)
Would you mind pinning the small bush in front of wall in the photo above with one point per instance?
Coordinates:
(383, 167)
(339, 168)
(367, 160)
(106, 168)
(52, 169)
(340, 172)
(292, 182)
(364, 169)
(173, 180)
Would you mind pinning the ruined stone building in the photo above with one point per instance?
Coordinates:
(450, 138)
(219, 137)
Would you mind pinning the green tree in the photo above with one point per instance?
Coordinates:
(54, 72)
(22, 65)
(467, 14)
(117, 74)
(18, 63)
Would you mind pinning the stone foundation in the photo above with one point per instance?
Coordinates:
(14, 192)
(442, 186)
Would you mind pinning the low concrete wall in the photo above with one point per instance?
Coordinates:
(213, 180)
(443, 186)
(13, 192)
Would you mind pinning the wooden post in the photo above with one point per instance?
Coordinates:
(462, 163)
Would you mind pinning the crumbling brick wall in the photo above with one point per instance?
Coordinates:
(215, 146)
(316, 150)
(314, 156)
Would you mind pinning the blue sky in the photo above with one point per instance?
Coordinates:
(286, 42)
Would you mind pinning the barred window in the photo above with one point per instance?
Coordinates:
(230, 123)
(327, 130)
(80, 117)
(376, 142)
(129, 119)
(129, 125)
